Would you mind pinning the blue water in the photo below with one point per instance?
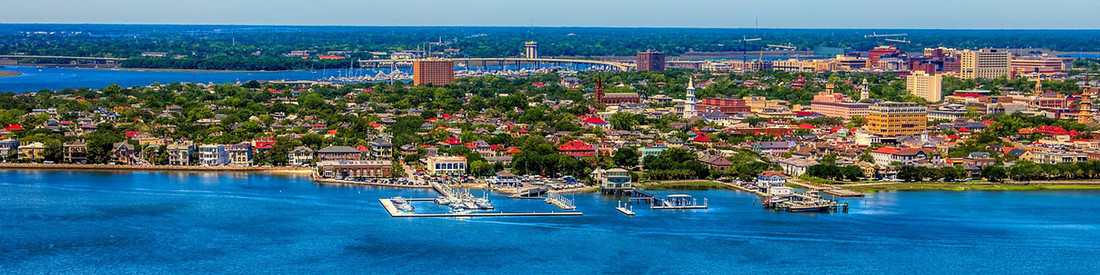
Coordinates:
(35, 78)
(146, 222)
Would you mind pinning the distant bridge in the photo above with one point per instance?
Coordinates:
(63, 57)
(498, 61)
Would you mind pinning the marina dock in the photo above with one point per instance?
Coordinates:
(397, 213)
(624, 210)
(827, 189)
(560, 201)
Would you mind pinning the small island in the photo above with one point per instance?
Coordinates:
(10, 73)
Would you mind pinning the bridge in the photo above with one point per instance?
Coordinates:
(64, 57)
(498, 61)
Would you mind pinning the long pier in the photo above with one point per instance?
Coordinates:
(397, 213)
(827, 189)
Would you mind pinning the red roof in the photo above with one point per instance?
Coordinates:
(968, 95)
(452, 141)
(806, 126)
(886, 150)
(804, 113)
(538, 84)
(132, 133)
(964, 130)
(595, 120)
(953, 136)
(577, 148)
(265, 144)
(362, 148)
(13, 127)
(701, 138)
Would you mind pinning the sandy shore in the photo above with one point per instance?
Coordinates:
(10, 73)
(270, 170)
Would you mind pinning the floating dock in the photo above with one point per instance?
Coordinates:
(677, 201)
(397, 213)
(560, 201)
(624, 210)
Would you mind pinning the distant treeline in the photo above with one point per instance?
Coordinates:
(264, 42)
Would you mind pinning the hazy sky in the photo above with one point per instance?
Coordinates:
(995, 14)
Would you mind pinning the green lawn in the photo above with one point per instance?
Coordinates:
(925, 186)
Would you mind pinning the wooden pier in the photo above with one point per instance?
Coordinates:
(397, 213)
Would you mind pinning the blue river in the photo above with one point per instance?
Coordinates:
(38, 78)
(168, 222)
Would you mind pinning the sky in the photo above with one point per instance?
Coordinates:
(876, 14)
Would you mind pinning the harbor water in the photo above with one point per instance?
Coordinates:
(178, 222)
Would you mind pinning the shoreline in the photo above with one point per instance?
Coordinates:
(10, 73)
(978, 186)
(134, 168)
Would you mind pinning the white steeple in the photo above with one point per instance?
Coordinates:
(689, 106)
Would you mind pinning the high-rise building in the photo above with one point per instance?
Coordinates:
(984, 63)
(891, 119)
(924, 85)
(650, 60)
(689, 104)
(435, 71)
(532, 49)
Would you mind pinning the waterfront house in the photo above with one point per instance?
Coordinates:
(300, 156)
(213, 155)
(32, 151)
(123, 153)
(179, 154)
(771, 178)
(240, 154)
(76, 152)
(8, 147)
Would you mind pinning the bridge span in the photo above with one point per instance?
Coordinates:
(498, 61)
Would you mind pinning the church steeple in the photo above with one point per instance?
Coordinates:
(599, 90)
(689, 105)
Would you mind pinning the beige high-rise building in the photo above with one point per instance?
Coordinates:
(532, 50)
(984, 63)
(924, 85)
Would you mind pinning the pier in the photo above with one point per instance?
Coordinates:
(678, 201)
(827, 189)
(624, 210)
(560, 201)
(397, 213)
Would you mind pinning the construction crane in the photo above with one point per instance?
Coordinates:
(876, 35)
(744, 51)
(898, 40)
(789, 47)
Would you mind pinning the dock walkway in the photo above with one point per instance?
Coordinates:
(397, 213)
